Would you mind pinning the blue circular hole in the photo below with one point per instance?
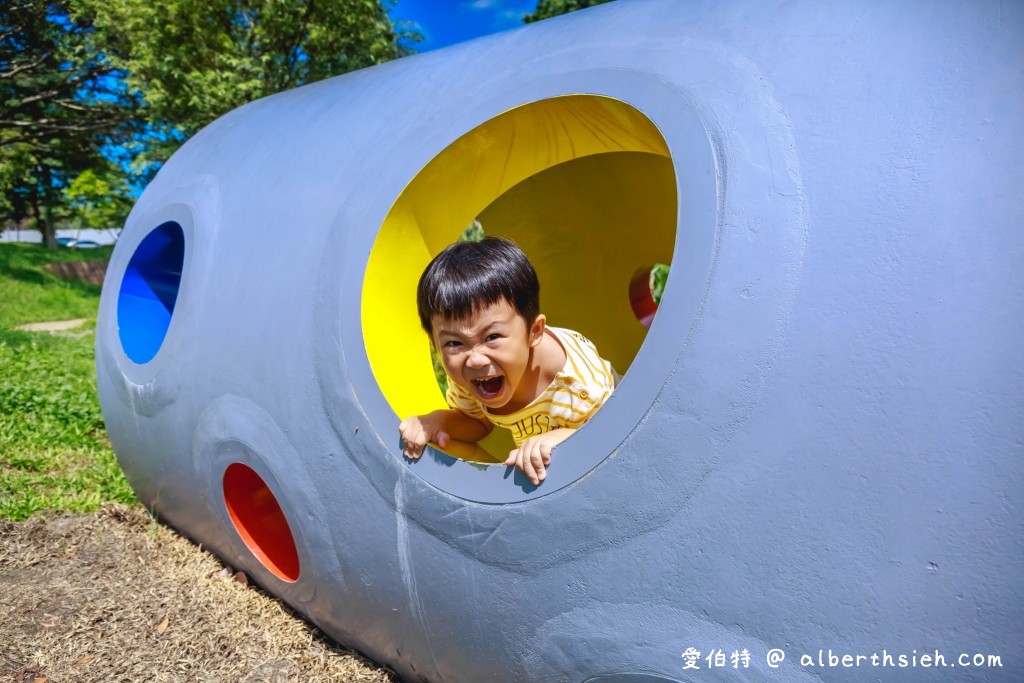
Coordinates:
(149, 289)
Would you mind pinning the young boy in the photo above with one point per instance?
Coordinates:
(480, 304)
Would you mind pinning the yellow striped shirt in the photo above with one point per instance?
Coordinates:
(583, 385)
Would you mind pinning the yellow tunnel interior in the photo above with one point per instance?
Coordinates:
(584, 184)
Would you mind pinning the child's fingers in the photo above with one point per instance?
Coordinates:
(527, 467)
(545, 452)
(531, 458)
(406, 429)
(412, 450)
(537, 458)
(519, 458)
(414, 439)
(441, 439)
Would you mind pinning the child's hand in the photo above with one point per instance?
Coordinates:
(534, 454)
(418, 431)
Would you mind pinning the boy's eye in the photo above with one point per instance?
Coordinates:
(451, 344)
(493, 337)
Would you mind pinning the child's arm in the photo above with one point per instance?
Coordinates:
(438, 427)
(534, 454)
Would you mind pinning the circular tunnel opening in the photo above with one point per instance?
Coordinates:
(149, 290)
(645, 291)
(584, 184)
(260, 522)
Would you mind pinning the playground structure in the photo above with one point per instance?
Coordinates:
(816, 444)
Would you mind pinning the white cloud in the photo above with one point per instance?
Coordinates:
(504, 13)
(509, 17)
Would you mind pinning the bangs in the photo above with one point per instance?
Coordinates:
(461, 299)
(470, 276)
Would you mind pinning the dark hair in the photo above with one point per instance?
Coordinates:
(468, 276)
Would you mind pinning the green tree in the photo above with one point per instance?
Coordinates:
(61, 102)
(552, 8)
(99, 198)
(659, 278)
(193, 60)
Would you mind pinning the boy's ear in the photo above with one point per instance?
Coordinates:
(537, 329)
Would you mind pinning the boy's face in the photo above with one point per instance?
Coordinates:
(488, 353)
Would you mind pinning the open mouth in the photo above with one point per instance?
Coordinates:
(489, 387)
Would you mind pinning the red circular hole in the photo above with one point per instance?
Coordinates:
(641, 294)
(260, 522)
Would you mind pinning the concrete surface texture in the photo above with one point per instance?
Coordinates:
(816, 446)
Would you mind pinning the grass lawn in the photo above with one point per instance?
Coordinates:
(110, 595)
(54, 452)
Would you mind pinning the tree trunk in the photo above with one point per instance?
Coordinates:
(35, 214)
(48, 228)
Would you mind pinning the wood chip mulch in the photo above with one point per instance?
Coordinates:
(115, 596)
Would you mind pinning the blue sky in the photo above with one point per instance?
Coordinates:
(443, 22)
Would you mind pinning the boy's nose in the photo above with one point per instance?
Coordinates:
(477, 360)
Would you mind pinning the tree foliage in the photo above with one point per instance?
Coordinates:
(98, 198)
(61, 102)
(193, 60)
(659, 278)
(552, 8)
(92, 88)
(55, 79)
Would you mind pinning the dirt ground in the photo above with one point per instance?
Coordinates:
(114, 596)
